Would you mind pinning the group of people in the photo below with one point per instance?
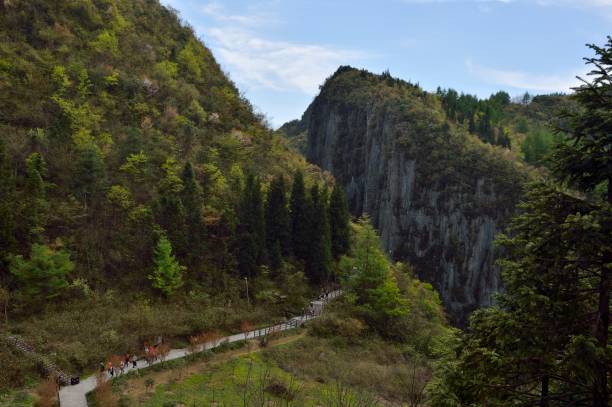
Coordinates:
(120, 368)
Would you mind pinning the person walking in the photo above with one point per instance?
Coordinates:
(134, 362)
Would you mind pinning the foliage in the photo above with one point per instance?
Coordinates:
(339, 218)
(44, 275)
(168, 273)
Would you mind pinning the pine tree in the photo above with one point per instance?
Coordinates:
(277, 222)
(585, 161)
(167, 275)
(7, 206)
(36, 198)
(191, 197)
(90, 180)
(339, 222)
(169, 209)
(251, 228)
(44, 275)
(319, 253)
(300, 224)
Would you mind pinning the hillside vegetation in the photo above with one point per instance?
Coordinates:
(139, 194)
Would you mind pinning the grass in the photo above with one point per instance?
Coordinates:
(226, 377)
(21, 398)
(296, 371)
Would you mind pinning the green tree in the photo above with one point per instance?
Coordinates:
(535, 346)
(369, 279)
(300, 224)
(36, 208)
(319, 245)
(339, 218)
(167, 275)
(7, 206)
(44, 275)
(192, 200)
(90, 180)
(251, 228)
(169, 208)
(278, 230)
(585, 161)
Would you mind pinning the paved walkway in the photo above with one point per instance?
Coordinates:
(74, 396)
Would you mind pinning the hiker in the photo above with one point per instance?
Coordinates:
(134, 362)
(127, 359)
(110, 368)
(122, 367)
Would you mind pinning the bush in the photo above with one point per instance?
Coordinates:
(329, 326)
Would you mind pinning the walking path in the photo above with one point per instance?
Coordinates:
(75, 396)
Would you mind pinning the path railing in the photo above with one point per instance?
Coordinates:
(75, 395)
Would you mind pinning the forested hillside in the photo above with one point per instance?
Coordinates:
(139, 194)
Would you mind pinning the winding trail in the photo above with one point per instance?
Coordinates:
(75, 396)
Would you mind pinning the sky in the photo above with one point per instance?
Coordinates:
(278, 52)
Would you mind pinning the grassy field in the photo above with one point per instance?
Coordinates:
(297, 370)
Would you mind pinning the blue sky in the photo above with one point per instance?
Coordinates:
(279, 51)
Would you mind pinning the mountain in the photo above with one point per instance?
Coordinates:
(114, 98)
(437, 194)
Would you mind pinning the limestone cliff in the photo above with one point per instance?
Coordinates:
(437, 195)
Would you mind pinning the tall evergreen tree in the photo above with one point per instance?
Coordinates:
(585, 161)
(90, 176)
(191, 197)
(278, 238)
(300, 224)
(339, 222)
(167, 275)
(36, 207)
(169, 209)
(251, 228)
(319, 253)
(7, 206)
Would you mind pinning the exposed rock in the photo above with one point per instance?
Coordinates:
(437, 195)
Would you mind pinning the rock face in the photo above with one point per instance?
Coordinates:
(437, 196)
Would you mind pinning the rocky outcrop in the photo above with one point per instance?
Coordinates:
(437, 196)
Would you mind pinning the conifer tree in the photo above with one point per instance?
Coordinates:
(319, 253)
(339, 222)
(36, 197)
(44, 275)
(7, 205)
(585, 161)
(169, 209)
(300, 224)
(278, 237)
(90, 176)
(167, 275)
(191, 197)
(251, 228)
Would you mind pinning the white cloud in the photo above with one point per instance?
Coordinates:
(218, 13)
(524, 80)
(277, 65)
(258, 62)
